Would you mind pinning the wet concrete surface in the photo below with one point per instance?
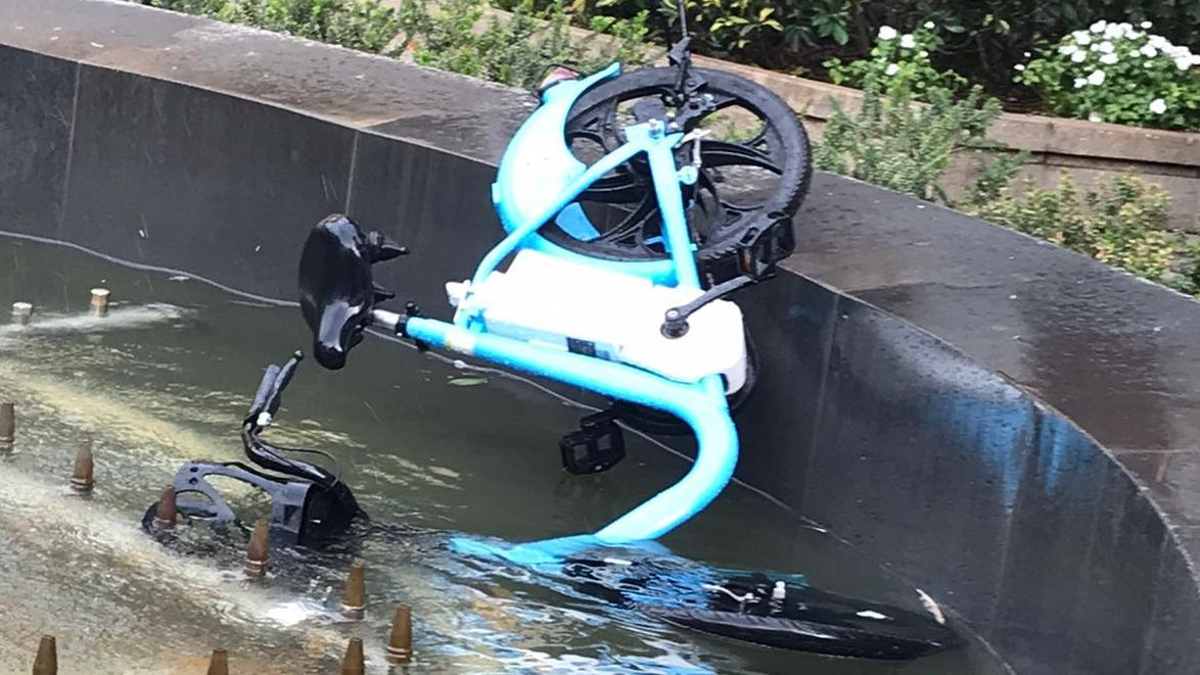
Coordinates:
(951, 458)
(1118, 355)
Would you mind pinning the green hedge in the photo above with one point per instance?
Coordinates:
(986, 37)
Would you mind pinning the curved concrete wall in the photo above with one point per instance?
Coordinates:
(173, 141)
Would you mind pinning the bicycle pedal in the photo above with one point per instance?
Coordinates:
(598, 445)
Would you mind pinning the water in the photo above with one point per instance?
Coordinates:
(167, 376)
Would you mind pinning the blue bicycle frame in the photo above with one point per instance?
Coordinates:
(539, 180)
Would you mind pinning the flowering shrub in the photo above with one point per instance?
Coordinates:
(1120, 224)
(907, 146)
(1115, 72)
(899, 56)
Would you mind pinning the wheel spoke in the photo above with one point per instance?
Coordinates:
(724, 153)
(741, 174)
(633, 223)
(622, 188)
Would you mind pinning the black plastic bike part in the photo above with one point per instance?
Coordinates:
(675, 323)
(295, 512)
(337, 290)
(687, 84)
(753, 607)
(309, 504)
(680, 57)
(748, 191)
(598, 445)
(809, 620)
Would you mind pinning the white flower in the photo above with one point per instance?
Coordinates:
(1145, 25)
(1108, 59)
(1096, 78)
(1148, 51)
(1080, 82)
(1115, 30)
(1106, 47)
(887, 33)
(923, 53)
(1078, 57)
(1099, 26)
(1095, 117)
(1082, 38)
(1183, 62)
(1196, 59)
(907, 41)
(892, 69)
(1158, 106)
(1027, 54)
(1067, 50)
(1019, 67)
(1159, 42)
(929, 25)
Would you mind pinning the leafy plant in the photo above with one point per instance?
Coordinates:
(904, 145)
(760, 31)
(1187, 278)
(1114, 72)
(511, 49)
(982, 38)
(1121, 224)
(737, 23)
(365, 25)
(516, 49)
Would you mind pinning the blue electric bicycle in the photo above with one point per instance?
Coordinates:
(634, 204)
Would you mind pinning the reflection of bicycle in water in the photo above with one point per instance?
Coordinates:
(631, 214)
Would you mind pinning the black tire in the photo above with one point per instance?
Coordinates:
(782, 135)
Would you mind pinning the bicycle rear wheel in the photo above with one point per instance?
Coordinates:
(754, 175)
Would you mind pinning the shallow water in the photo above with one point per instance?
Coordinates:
(166, 377)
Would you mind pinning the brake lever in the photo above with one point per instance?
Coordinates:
(282, 381)
(264, 391)
(675, 323)
(270, 393)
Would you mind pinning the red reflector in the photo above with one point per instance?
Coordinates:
(555, 75)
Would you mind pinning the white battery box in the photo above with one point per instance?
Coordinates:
(551, 302)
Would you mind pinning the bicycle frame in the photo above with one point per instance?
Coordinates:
(637, 330)
(526, 203)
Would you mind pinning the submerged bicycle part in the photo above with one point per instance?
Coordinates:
(309, 504)
(775, 610)
(598, 445)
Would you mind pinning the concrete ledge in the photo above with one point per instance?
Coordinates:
(1005, 423)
